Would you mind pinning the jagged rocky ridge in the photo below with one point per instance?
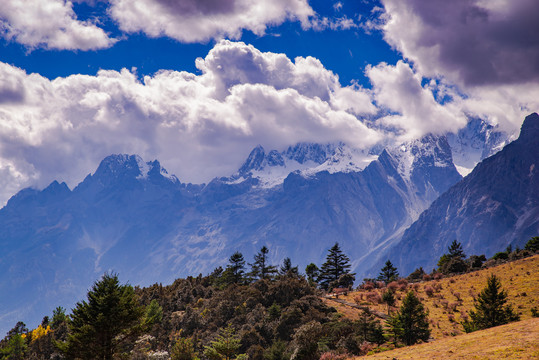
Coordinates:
(495, 206)
(134, 218)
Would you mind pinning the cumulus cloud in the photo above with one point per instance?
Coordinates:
(476, 42)
(488, 49)
(51, 24)
(198, 126)
(202, 20)
(413, 108)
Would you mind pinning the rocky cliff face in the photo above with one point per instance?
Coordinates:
(494, 206)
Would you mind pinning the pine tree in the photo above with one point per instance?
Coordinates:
(532, 244)
(490, 308)
(260, 268)
(287, 269)
(410, 324)
(235, 270)
(337, 264)
(453, 261)
(455, 250)
(225, 347)
(98, 327)
(388, 273)
(388, 297)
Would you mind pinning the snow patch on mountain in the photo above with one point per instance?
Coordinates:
(475, 142)
(307, 159)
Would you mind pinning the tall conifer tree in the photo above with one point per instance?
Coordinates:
(337, 264)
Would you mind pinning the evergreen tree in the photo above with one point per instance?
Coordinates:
(337, 264)
(455, 250)
(388, 273)
(236, 269)
(490, 308)
(532, 244)
(287, 269)
(410, 323)
(183, 349)
(388, 297)
(225, 347)
(312, 272)
(453, 261)
(260, 268)
(100, 326)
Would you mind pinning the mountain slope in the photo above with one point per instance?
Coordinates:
(132, 217)
(495, 206)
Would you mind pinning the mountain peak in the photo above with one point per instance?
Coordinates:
(254, 160)
(530, 128)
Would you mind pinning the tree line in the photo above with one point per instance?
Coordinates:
(261, 312)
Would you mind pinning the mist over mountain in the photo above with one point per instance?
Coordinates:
(496, 205)
(132, 217)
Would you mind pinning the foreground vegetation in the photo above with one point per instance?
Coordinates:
(275, 313)
(512, 341)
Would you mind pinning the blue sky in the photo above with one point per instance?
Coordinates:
(198, 83)
(345, 52)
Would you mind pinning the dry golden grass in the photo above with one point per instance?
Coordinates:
(454, 296)
(519, 340)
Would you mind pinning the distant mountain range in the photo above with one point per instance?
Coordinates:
(495, 206)
(132, 217)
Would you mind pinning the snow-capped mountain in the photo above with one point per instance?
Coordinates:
(132, 217)
(270, 169)
(475, 142)
(496, 205)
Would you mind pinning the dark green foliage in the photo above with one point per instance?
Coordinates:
(312, 272)
(417, 274)
(337, 264)
(455, 265)
(277, 351)
(490, 308)
(501, 256)
(369, 329)
(225, 346)
(532, 244)
(153, 314)
(535, 312)
(453, 261)
(274, 311)
(109, 319)
(475, 261)
(388, 273)
(287, 269)
(346, 280)
(183, 349)
(455, 250)
(15, 348)
(236, 269)
(261, 269)
(410, 324)
(388, 298)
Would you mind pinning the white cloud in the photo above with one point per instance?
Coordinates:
(413, 109)
(489, 50)
(202, 20)
(51, 24)
(198, 126)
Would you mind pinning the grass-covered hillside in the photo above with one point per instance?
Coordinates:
(449, 299)
(516, 340)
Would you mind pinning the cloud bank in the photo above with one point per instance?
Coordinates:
(198, 126)
(488, 49)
